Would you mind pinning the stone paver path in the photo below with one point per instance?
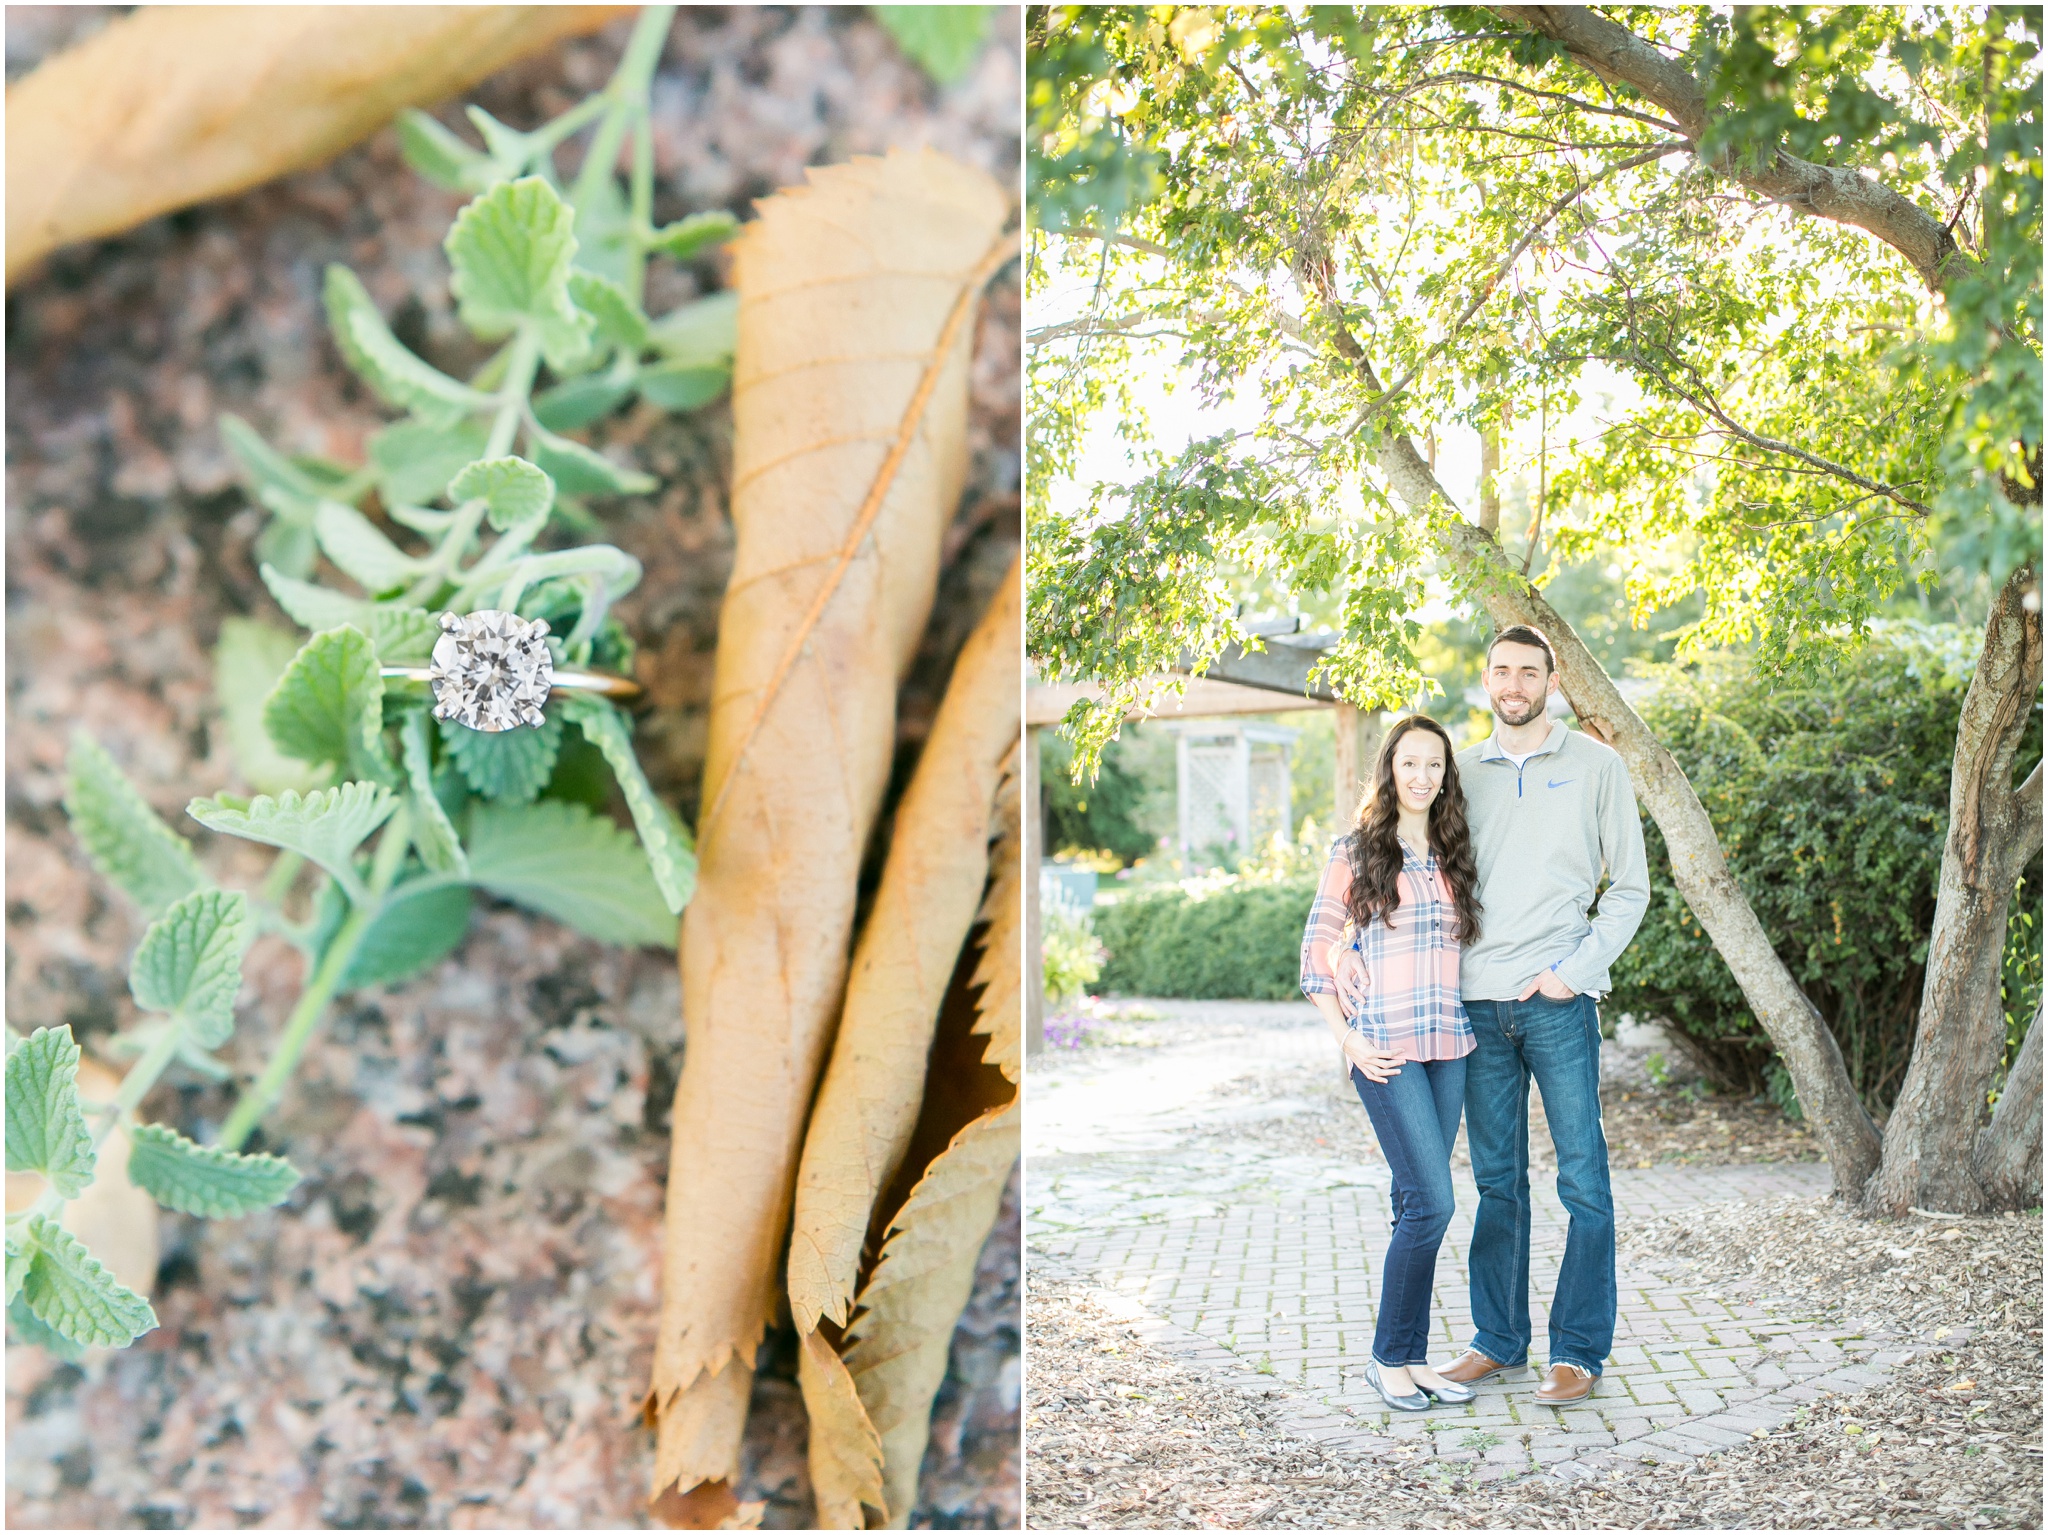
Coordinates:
(1263, 1269)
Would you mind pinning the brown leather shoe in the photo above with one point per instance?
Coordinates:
(1564, 1384)
(1471, 1367)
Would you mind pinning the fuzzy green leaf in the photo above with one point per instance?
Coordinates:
(329, 705)
(510, 766)
(668, 844)
(360, 549)
(944, 39)
(684, 386)
(287, 545)
(508, 146)
(262, 465)
(310, 606)
(513, 490)
(70, 1291)
(417, 925)
(403, 636)
(437, 154)
(46, 1129)
(700, 231)
(18, 1254)
(580, 471)
(327, 825)
(579, 868)
(27, 1329)
(604, 231)
(125, 839)
(702, 334)
(570, 406)
(247, 662)
(382, 361)
(205, 1180)
(511, 250)
(190, 963)
(416, 461)
(618, 318)
(432, 832)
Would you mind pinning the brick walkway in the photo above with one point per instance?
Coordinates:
(1263, 1270)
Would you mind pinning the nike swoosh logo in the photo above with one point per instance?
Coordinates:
(1559, 783)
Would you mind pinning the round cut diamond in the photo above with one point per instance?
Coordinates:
(491, 670)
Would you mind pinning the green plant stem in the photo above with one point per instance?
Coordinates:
(549, 137)
(277, 883)
(626, 96)
(447, 554)
(140, 1079)
(519, 372)
(642, 208)
(250, 1108)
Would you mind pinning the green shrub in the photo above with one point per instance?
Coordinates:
(1207, 939)
(1831, 803)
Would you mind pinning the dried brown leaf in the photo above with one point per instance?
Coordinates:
(903, 1331)
(898, 1345)
(845, 1450)
(931, 888)
(173, 104)
(707, 1506)
(1000, 974)
(849, 406)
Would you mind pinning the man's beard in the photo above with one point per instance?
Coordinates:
(1503, 711)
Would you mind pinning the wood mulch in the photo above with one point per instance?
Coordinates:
(1122, 1436)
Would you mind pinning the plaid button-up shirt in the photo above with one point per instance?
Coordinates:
(1412, 1004)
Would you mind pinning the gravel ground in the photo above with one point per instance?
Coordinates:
(450, 1323)
(1123, 1436)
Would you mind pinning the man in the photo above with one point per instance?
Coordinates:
(1551, 810)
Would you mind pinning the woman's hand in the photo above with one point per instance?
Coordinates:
(1347, 966)
(1377, 1065)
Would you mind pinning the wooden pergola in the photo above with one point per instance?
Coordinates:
(1271, 680)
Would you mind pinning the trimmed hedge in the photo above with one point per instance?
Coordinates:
(1232, 940)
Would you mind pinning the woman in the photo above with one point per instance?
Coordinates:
(1398, 899)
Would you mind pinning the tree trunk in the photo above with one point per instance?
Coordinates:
(2008, 1158)
(1833, 1110)
(1812, 1057)
(1993, 830)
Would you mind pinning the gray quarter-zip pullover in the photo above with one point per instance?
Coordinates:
(1542, 834)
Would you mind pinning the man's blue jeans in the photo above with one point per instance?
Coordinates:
(1415, 1115)
(1557, 1043)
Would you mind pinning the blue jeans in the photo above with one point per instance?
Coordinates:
(1557, 1043)
(1415, 1115)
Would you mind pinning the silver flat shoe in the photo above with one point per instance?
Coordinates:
(1415, 1401)
(1447, 1392)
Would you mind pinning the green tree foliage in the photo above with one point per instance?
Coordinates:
(1832, 803)
(1381, 220)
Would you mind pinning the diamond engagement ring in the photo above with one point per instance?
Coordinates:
(493, 671)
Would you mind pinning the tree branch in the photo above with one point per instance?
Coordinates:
(1838, 194)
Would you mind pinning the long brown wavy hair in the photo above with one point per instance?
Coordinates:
(1376, 847)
